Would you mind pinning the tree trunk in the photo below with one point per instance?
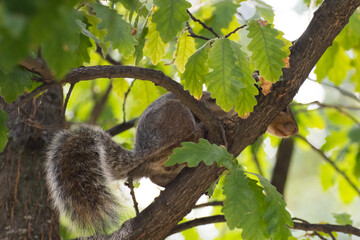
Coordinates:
(24, 204)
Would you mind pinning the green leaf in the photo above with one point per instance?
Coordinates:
(140, 46)
(195, 70)
(222, 15)
(225, 81)
(118, 30)
(154, 47)
(185, 48)
(194, 153)
(343, 218)
(63, 44)
(334, 64)
(275, 215)
(14, 40)
(170, 17)
(3, 130)
(14, 83)
(264, 10)
(246, 96)
(243, 205)
(267, 54)
(327, 176)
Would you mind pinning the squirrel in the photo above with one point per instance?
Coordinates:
(82, 161)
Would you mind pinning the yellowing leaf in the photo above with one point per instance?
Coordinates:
(120, 86)
(186, 47)
(154, 47)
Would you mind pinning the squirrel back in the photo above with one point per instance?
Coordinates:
(82, 161)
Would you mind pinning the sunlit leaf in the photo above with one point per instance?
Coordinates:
(246, 96)
(194, 153)
(267, 54)
(334, 64)
(118, 30)
(185, 48)
(195, 70)
(154, 47)
(170, 17)
(225, 80)
(343, 218)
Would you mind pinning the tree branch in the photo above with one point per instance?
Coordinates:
(160, 79)
(326, 228)
(99, 106)
(121, 127)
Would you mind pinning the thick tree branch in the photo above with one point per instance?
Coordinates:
(326, 228)
(157, 77)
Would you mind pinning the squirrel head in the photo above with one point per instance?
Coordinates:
(284, 124)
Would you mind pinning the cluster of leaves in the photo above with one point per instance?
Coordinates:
(254, 206)
(69, 32)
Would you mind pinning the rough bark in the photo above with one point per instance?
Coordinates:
(24, 206)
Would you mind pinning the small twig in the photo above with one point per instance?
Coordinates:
(332, 236)
(107, 57)
(235, 30)
(324, 105)
(99, 106)
(331, 162)
(130, 185)
(341, 90)
(339, 108)
(72, 85)
(202, 24)
(209, 204)
(192, 34)
(125, 97)
(121, 127)
(197, 222)
(327, 228)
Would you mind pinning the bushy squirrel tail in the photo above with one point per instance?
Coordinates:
(78, 172)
